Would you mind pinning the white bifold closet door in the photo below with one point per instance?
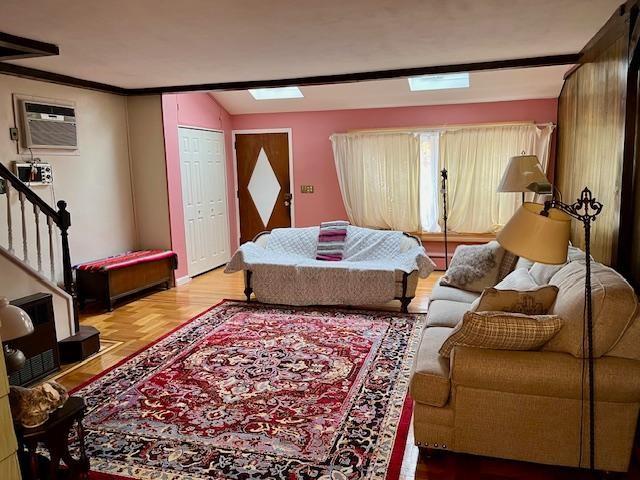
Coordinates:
(204, 195)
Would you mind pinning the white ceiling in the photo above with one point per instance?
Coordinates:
(485, 86)
(147, 43)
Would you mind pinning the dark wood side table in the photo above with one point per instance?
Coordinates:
(54, 435)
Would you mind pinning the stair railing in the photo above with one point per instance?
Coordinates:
(61, 218)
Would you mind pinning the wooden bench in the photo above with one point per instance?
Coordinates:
(116, 277)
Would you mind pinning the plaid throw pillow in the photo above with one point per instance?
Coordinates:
(507, 265)
(502, 331)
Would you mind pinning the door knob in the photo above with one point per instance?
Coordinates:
(287, 199)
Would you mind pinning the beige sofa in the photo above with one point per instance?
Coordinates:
(527, 405)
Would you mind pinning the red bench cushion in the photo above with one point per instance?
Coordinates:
(127, 259)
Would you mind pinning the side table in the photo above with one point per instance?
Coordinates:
(54, 436)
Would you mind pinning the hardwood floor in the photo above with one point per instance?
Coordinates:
(133, 325)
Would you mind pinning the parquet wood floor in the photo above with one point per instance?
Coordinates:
(143, 320)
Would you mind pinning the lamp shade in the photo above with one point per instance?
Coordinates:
(14, 322)
(539, 238)
(524, 174)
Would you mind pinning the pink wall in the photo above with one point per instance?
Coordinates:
(313, 156)
(192, 110)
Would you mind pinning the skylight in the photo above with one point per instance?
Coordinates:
(439, 82)
(275, 93)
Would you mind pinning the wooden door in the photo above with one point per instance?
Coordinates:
(264, 194)
(203, 173)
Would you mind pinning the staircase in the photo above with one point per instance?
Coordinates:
(50, 263)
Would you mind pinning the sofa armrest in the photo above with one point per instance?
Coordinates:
(548, 374)
(409, 241)
(261, 239)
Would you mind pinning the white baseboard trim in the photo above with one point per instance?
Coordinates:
(183, 280)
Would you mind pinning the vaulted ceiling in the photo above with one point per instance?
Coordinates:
(150, 43)
(484, 86)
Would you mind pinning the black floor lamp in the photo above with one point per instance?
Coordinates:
(541, 233)
(443, 190)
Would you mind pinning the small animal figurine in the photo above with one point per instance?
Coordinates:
(30, 407)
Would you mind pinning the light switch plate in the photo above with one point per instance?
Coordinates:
(306, 189)
(13, 133)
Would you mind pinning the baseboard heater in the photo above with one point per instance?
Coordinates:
(41, 347)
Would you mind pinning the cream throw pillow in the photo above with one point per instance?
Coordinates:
(519, 279)
(474, 267)
(518, 293)
(502, 331)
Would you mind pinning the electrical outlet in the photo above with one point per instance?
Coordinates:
(13, 133)
(306, 189)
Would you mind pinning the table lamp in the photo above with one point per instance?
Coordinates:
(14, 323)
(524, 174)
(541, 233)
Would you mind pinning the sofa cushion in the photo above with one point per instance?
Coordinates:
(446, 313)
(474, 267)
(547, 374)
(519, 279)
(430, 382)
(442, 292)
(502, 331)
(542, 273)
(628, 346)
(614, 305)
(523, 263)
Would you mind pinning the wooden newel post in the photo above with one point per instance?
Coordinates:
(65, 222)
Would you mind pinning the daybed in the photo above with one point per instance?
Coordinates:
(378, 266)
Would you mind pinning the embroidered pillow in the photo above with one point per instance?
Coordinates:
(474, 267)
(502, 331)
(530, 302)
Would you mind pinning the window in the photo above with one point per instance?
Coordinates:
(439, 82)
(391, 179)
(475, 158)
(429, 173)
(279, 93)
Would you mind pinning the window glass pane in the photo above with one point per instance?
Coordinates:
(429, 212)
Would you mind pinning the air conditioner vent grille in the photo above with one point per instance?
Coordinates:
(48, 125)
(45, 132)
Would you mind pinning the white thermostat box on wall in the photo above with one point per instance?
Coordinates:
(34, 173)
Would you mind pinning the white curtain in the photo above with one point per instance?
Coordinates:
(429, 181)
(475, 158)
(379, 178)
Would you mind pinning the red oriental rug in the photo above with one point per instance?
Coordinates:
(254, 391)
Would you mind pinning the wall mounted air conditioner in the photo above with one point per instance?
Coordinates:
(48, 125)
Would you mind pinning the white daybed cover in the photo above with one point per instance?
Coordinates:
(285, 271)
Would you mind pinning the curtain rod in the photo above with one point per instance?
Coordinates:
(446, 127)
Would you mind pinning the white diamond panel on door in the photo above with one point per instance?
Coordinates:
(264, 187)
(204, 195)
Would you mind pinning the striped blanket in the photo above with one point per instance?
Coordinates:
(331, 240)
(128, 259)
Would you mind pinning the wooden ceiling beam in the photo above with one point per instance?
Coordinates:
(13, 47)
(25, 72)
